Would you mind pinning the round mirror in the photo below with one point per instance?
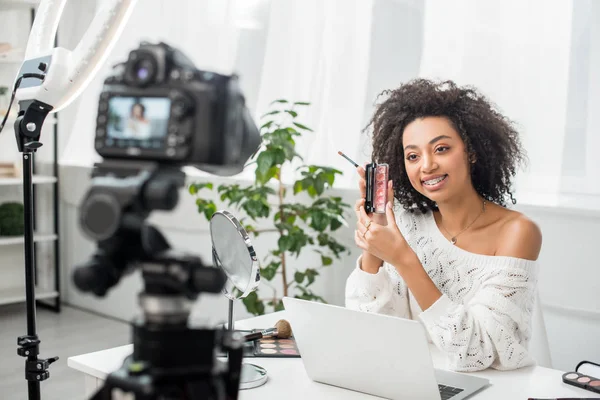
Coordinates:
(234, 254)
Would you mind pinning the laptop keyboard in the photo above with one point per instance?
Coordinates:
(448, 392)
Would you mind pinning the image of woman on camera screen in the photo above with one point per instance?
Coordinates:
(138, 126)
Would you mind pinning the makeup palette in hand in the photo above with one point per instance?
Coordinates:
(276, 347)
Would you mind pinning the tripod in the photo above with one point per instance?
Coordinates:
(170, 359)
(28, 128)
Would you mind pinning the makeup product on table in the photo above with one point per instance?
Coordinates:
(274, 342)
(282, 330)
(582, 381)
(377, 191)
(276, 347)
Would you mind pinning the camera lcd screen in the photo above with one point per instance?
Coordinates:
(138, 121)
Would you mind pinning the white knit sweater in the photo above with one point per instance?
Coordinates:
(483, 318)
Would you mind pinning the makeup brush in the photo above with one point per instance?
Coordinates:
(347, 158)
(282, 330)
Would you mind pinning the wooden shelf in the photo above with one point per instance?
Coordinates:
(18, 4)
(17, 295)
(12, 57)
(37, 179)
(11, 240)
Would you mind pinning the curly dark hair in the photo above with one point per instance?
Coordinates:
(489, 137)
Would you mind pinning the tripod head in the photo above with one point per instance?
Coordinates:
(170, 359)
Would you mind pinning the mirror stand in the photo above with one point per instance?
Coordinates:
(251, 375)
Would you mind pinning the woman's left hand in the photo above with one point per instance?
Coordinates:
(384, 241)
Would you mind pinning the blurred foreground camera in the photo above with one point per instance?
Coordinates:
(156, 114)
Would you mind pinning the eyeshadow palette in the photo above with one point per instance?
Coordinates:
(583, 381)
(276, 347)
(376, 181)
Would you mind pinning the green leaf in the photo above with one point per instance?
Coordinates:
(270, 270)
(292, 113)
(329, 177)
(299, 125)
(299, 277)
(335, 224)
(279, 156)
(209, 210)
(273, 172)
(297, 187)
(319, 184)
(279, 306)
(301, 103)
(266, 124)
(195, 187)
(284, 243)
(279, 101)
(270, 113)
(253, 304)
(307, 183)
(290, 218)
(326, 260)
(319, 221)
(264, 161)
(311, 274)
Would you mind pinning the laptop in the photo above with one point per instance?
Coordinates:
(372, 353)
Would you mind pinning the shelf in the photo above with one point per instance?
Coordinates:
(12, 57)
(17, 295)
(8, 240)
(18, 4)
(37, 179)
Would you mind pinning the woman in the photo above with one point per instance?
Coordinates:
(454, 257)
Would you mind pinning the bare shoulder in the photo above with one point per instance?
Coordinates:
(519, 237)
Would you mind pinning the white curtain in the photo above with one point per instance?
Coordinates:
(517, 52)
(318, 51)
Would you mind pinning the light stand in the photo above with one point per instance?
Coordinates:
(28, 128)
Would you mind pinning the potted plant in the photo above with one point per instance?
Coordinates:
(297, 226)
(11, 219)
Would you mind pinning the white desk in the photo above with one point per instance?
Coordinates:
(288, 379)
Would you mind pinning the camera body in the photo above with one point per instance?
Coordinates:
(157, 106)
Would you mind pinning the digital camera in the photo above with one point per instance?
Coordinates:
(157, 106)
